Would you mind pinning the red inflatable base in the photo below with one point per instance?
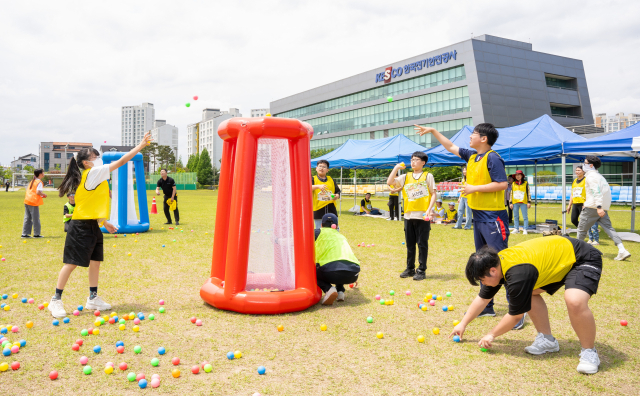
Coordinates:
(258, 302)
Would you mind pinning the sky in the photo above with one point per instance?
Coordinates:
(67, 67)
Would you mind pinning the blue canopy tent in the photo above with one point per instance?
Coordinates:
(369, 154)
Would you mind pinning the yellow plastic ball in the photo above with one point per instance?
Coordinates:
(323, 327)
(136, 328)
(108, 369)
(106, 318)
(237, 355)
(15, 295)
(175, 373)
(4, 366)
(97, 323)
(132, 315)
(425, 308)
(29, 324)
(48, 241)
(96, 331)
(380, 334)
(24, 241)
(206, 233)
(436, 331)
(450, 307)
(46, 304)
(114, 245)
(113, 314)
(16, 344)
(420, 338)
(456, 322)
(268, 114)
(162, 228)
(135, 240)
(390, 302)
(6, 307)
(9, 327)
(439, 298)
(426, 300)
(122, 327)
(428, 297)
(129, 254)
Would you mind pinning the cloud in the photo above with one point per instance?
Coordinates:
(68, 67)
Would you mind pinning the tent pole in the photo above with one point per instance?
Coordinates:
(535, 187)
(400, 199)
(355, 187)
(564, 195)
(633, 194)
(341, 187)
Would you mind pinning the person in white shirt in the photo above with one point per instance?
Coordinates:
(597, 204)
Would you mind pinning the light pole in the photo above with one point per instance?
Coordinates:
(65, 158)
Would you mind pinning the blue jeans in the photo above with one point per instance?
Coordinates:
(464, 211)
(594, 233)
(516, 215)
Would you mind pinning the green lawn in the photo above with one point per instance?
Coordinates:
(347, 359)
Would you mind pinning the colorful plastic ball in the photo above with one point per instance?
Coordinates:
(436, 331)
(369, 319)
(152, 317)
(4, 366)
(97, 349)
(140, 376)
(15, 349)
(24, 300)
(84, 360)
(6, 351)
(113, 314)
(175, 373)
(15, 329)
(96, 331)
(66, 320)
(103, 320)
(378, 297)
(136, 328)
(380, 334)
(624, 322)
(408, 292)
(76, 312)
(112, 321)
(392, 293)
(41, 306)
(280, 328)
(80, 308)
(262, 370)
(161, 302)
(122, 366)
(55, 322)
(53, 375)
(439, 298)
(80, 341)
(382, 302)
(7, 308)
(448, 294)
(3, 330)
(483, 349)
(96, 312)
(131, 377)
(120, 349)
(456, 338)
(15, 366)
(450, 307)
(108, 369)
(142, 383)
(119, 343)
(162, 351)
(175, 361)
(445, 308)
(208, 368)
(75, 347)
(161, 310)
(136, 321)
(162, 245)
(389, 99)
(137, 349)
(425, 307)
(420, 338)
(122, 327)
(188, 104)
(4, 296)
(434, 297)
(198, 322)
(432, 303)
(29, 324)
(195, 369)
(155, 362)
(122, 321)
(129, 254)
(230, 355)
(140, 316)
(155, 382)
(456, 322)
(193, 319)
(31, 301)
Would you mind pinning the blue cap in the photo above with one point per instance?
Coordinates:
(329, 219)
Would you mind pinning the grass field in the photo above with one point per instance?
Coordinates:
(347, 359)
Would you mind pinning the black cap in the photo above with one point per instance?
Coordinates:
(329, 219)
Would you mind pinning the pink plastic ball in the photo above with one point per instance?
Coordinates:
(136, 321)
(155, 376)
(368, 245)
(161, 302)
(333, 226)
(15, 329)
(84, 360)
(30, 301)
(378, 297)
(15, 349)
(110, 364)
(3, 259)
(408, 292)
(155, 382)
(140, 376)
(432, 303)
(198, 322)
(76, 313)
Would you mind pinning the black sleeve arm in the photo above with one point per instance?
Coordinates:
(520, 281)
(317, 233)
(66, 210)
(487, 292)
(337, 188)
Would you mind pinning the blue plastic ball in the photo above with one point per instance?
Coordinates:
(262, 370)
(97, 349)
(456, 338)
(55, 322)
(116, 318)
(6, 351)
(403, 243)
(2, 305)
(142, 383)
(162, 245)
(140, 316)
(3, 330)
(23, 343)
(5, 296)
(444, 308)
(80, 307)
(66, 320)
(420, 306)
(125, 235)
(435, 297)
(230, 355)
(119, 343)
(161, 351)
(24, 300)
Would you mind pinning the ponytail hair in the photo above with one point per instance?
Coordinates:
(36, 173)
(74, 171)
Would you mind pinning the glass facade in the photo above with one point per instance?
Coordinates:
(561, 83)
(413, 84)
(450, 101)
(448, 128)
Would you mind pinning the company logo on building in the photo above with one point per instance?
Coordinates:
(390, 72)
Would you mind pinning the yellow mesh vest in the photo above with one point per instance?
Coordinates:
(553, 256)
(578, 191)
(94, 204)
(333, 246)
(318, 204)
(451, 214)
(393, 194)
(478, 175)
(516, 189)
(419, 205)
(70, 208)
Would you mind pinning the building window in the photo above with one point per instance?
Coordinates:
(413, 84)
(57, 155)
(46, 156)
(561, 82)
(566, 111)
(69, 155)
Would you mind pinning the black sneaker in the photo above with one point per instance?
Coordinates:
(26, 236)
(168, 222)
(177, 223)
(408, 273)
(38, 236)
(419, 276)
(488, 311)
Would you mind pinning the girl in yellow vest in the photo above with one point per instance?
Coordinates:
(32, 202)
(529, 269)
(520, 201)
(419, 198)
(578, 196)
(325, 193)
(83, 247)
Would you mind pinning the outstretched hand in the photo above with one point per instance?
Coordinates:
(458, 330)
(420, 130)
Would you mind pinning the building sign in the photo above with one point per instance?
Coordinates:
(390, 72)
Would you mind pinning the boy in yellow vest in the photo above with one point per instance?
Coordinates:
(529, 269)
(335, 262)
(451, 214)
(68, 210)
(325, 193)
(419, 198)
(486, 181)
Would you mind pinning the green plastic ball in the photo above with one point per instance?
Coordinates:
(155, 362)
(208, 368)
(390, 99)
(448, 294)
(84, 332)
(392, 293)
(122, 321)
(101, 321)
(174, 240)
(188, 104)
(137, 349)
(382, 301)
(369, 319)
(152, 317)
(483, 349)
(131, 377)
(161, 310)
(87, 370)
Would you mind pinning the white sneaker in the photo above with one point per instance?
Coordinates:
(589, 361)
(340, 296)
(514, 232)
(541, 346)
(595, 243)
(57, 308)
(622, 256)
(329, 297)
(524, 232)
(97, 303)
(590, 242)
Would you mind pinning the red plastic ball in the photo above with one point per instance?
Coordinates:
(41, 307)
(624, 322)
(75, 347)
(140, 376)
(97, 313)
(112, 320)
(120, 349)
(195, 98)
(175, 361)
(204, 364)
(53, 375)
(90, 331)
(193, 319)
(15, 365)
(122, 366)
(195, 369)
(79, 341)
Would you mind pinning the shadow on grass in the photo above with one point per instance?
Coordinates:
(610, 357)
(444, 277)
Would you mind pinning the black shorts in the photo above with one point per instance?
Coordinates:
(84, 243)
(585, 273)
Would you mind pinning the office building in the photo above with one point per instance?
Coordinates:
(616, 122)
(56, 155)
(204, 134)
(136, 120)
(259, 112)
(483, 79)
(25, 160)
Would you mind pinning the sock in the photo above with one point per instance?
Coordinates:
(549, 337)
(587, 349)
(58, 295)
(620, 247)
(93, 292)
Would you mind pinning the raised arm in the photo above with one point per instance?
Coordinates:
(128, 156)
(446, 143)
(391, 180)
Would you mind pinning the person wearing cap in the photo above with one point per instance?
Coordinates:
(438, 210)
(451, 214)
(69, 207)
(335, 262)
(520, 201)
(325, 193)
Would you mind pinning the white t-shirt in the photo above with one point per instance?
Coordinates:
(97, 175)
(39, 188)
(399, 182)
